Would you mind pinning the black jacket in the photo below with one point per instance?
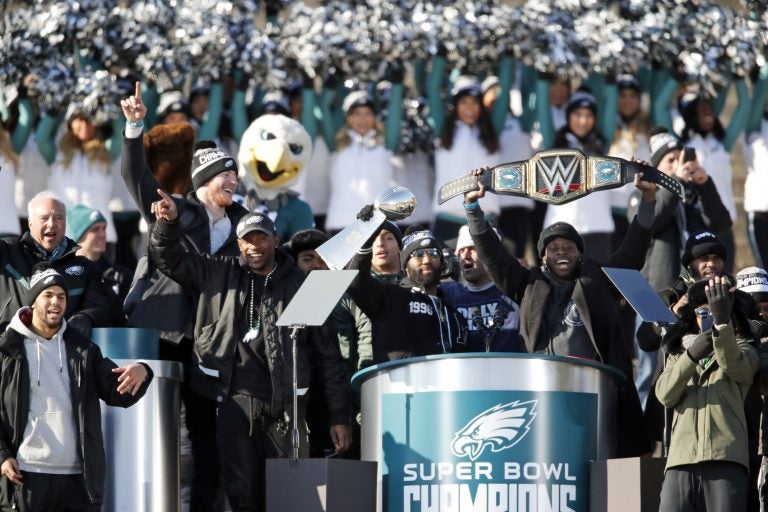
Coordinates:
(598, 303)
(87, 293)
(91, 379)
(223, 285)
(155, 301)
(703, 210)
(404, 320)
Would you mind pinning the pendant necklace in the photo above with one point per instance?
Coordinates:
(254, 324)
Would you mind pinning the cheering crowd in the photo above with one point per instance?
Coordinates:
(198, 213)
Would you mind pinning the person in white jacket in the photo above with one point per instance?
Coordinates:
(590, 215)
(81, 165)
(467, 141)
(361, 167)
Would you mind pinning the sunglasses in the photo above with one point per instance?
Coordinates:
(431, 252)
(703, 311)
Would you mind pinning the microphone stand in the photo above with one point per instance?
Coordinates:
(295, 394)
(490, 331)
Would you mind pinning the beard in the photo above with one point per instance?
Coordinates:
(426, 280)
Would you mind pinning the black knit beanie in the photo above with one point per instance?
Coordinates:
(559, 230)
(208, 161)
(44, 276)
(701, 244)
(421, 239)
(661, 144)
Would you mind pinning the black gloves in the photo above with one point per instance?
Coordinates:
(720, 301)
(366, 212)
(701, 346)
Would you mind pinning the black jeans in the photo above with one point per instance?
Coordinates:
(247, 437)
(707, 486)
(44, 492)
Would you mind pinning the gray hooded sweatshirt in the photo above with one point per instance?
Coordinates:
(49, 444)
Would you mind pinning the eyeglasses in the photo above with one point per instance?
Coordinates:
(431, 252)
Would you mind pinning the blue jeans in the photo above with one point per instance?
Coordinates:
(646, 367)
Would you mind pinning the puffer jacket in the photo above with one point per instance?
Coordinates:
(223, 284)
(87, 294)
(91, 379)
(709, 423)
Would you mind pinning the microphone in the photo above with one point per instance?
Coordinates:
(477, 320)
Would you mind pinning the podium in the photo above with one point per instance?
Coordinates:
(494, 432)
(142, 442)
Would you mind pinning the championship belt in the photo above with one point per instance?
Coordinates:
(558, 176)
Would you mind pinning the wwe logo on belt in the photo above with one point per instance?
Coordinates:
(557, 177)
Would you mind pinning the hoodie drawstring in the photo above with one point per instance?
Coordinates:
(37, 345)
(39, 359)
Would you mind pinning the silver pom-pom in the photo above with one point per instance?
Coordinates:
(97, 95)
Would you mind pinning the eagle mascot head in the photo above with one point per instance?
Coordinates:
(274, 151)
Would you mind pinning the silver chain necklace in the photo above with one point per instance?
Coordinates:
(254, 324)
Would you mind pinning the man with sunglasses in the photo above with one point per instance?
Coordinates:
(568, 307)
(409, 319)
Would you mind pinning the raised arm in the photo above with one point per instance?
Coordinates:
(23, 126)
(239, 113)
(543, 113)
(151, 100)
(759, 91)
(328, 125)
(507, 273)
(664, 88)
(212, 118)
(633, 249)
(45, 135)
(394, 117)
(434, 83)
(115, 142)
(138, 177)
(501, 107)
(527, 88)
(188, 269)
(740, 116)
(369, 294)
(309, 108)
(608, 111)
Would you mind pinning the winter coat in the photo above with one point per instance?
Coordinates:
(672, 220)
(709, 422)
(223, 285)
(87, 293)
(155, 301)
(91, 379)
(598, 304)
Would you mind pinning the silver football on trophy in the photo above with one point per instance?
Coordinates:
(396, 203)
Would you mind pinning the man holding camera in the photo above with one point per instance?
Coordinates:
(706, 380)
(702, 210)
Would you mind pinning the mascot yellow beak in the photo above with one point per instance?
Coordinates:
(274, 151)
